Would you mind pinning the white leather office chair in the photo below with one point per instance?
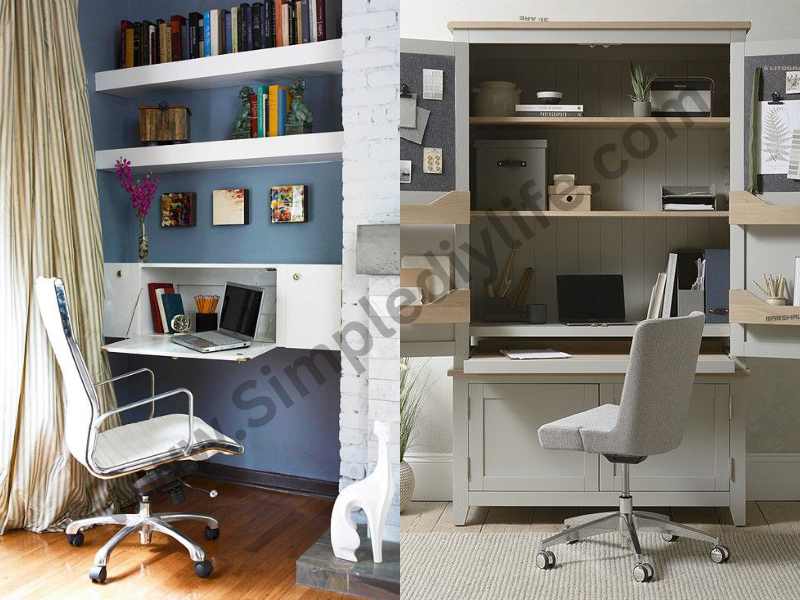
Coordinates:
(152, 448)
(650, 419)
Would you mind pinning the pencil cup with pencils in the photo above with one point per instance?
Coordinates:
(206, 318)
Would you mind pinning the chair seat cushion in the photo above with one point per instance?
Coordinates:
(580, 431)
(159, 436)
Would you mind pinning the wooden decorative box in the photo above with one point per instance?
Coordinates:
(570, 197)
(164, 124)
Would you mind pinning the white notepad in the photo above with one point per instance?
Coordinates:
(534, 354)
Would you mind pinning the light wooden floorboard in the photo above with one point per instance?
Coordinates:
(262, 534)
(475, 520)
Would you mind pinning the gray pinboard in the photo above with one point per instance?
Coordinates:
(440, 132)
(774, 80)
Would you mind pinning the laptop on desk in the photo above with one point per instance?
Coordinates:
(591, 299)
(241, 306)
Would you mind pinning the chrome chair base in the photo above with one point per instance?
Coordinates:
(145, 524)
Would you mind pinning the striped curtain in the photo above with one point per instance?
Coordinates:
(49, 225)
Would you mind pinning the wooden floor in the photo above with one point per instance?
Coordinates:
(423, 517)
(261, 535)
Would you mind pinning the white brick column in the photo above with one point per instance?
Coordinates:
(371, 195)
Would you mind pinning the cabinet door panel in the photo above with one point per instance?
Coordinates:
(700, 463)
(504, 449)
(309, 306)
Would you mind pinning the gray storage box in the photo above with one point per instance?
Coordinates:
(515, 170)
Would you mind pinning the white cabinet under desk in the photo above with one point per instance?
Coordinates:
(301, 307)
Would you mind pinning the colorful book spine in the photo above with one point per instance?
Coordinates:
(253, 103)
(269, 23)
(306, 23)
(312, 20)
(194, 36)
(152, 35)
(260, 91)
(207, 33)
(175, 22)
(283, 108)
(272, 125)
(279, 23)
(321, 20)
(235, 28)
(248, 26)
(137, 44)
(292, 22)
(255, 9)
(185, 46)
(214, 13)
(123, 44)
(228, 32)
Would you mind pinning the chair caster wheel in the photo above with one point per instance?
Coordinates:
(545, 560)
(720, 554)
(211, 534)
(75, 539)
(203, 568)
(643, 572)
(668, 537)
(97, 574)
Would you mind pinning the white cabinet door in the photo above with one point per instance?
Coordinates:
(309, 306)
(700, 463)
(504, 449)
(124, 301)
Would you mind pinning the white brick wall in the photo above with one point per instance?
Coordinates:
(371, 191)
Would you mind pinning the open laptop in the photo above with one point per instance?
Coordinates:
(590, 299)
(241, 306)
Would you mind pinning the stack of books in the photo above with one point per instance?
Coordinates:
(549, 110)
(269, 107)
(266, 24)
(688, 197)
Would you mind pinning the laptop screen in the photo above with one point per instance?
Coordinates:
(584, 298)
(240, 309)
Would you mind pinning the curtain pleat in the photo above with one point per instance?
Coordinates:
(49, 225)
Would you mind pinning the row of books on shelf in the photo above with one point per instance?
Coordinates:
(549, 110)
(165, 304)
(269, 107)
(267, 24)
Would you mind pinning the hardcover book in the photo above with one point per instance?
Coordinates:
(124, 26)
(228, 32)
(320, 20)
(231, 207)
(178, 209)
(255, 9)
(175, 23)
(234, 29)
(306, 23)
(278, 15)
(155, 310)
(269, 23)
(194, 35)
(207, 33)
(173, 306)
(247, 26)
(288, 203)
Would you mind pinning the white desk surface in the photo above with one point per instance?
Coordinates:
(496, 364)
(161, 345)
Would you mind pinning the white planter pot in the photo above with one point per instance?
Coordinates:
(406, 485)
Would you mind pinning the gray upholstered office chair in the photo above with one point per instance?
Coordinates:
(650, 419)
(152, 448)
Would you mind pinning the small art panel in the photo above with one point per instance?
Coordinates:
(793, 82)
(230, 207)
(288, 203)
(432, 161)
(178, 210)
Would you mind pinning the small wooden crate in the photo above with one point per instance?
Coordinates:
(164, 124)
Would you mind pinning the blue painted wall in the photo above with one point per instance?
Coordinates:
(294, 433)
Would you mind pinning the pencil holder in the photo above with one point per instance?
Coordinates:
(206, 322)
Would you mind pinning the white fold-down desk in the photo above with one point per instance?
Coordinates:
(161, 345)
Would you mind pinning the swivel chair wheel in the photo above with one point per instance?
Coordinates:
(643, 572)
(720, 554)
(97, 574)
(211, 534)
(668, 537)
(75, 539)
(203, 568)
(545, 560)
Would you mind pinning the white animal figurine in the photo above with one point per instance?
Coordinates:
(373, 495)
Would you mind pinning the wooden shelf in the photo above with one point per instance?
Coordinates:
(558, 330)
(451, 208)
(747, 209)
(598, 122)
(162, 345)
(605, 214)
(226, 70)
(283, 150)
(603, 25)
(453, 308)
(748, 309)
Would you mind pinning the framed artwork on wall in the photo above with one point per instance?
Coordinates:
(178, 210)
(289, 203)
(230, 207)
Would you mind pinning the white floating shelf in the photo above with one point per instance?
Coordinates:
(225, 154)
(162, 345)
(558, 330)
(226, 70)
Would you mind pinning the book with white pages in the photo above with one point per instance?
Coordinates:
(657, 297)
(669, 287)
(534, 354)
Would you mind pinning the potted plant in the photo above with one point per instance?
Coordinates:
(411, 398)
(141, 193)
(640, 83)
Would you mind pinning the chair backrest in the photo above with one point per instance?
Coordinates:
(658, 385)
(81, 403)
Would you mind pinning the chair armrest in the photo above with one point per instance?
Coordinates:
(131, 374)
(102, 418)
